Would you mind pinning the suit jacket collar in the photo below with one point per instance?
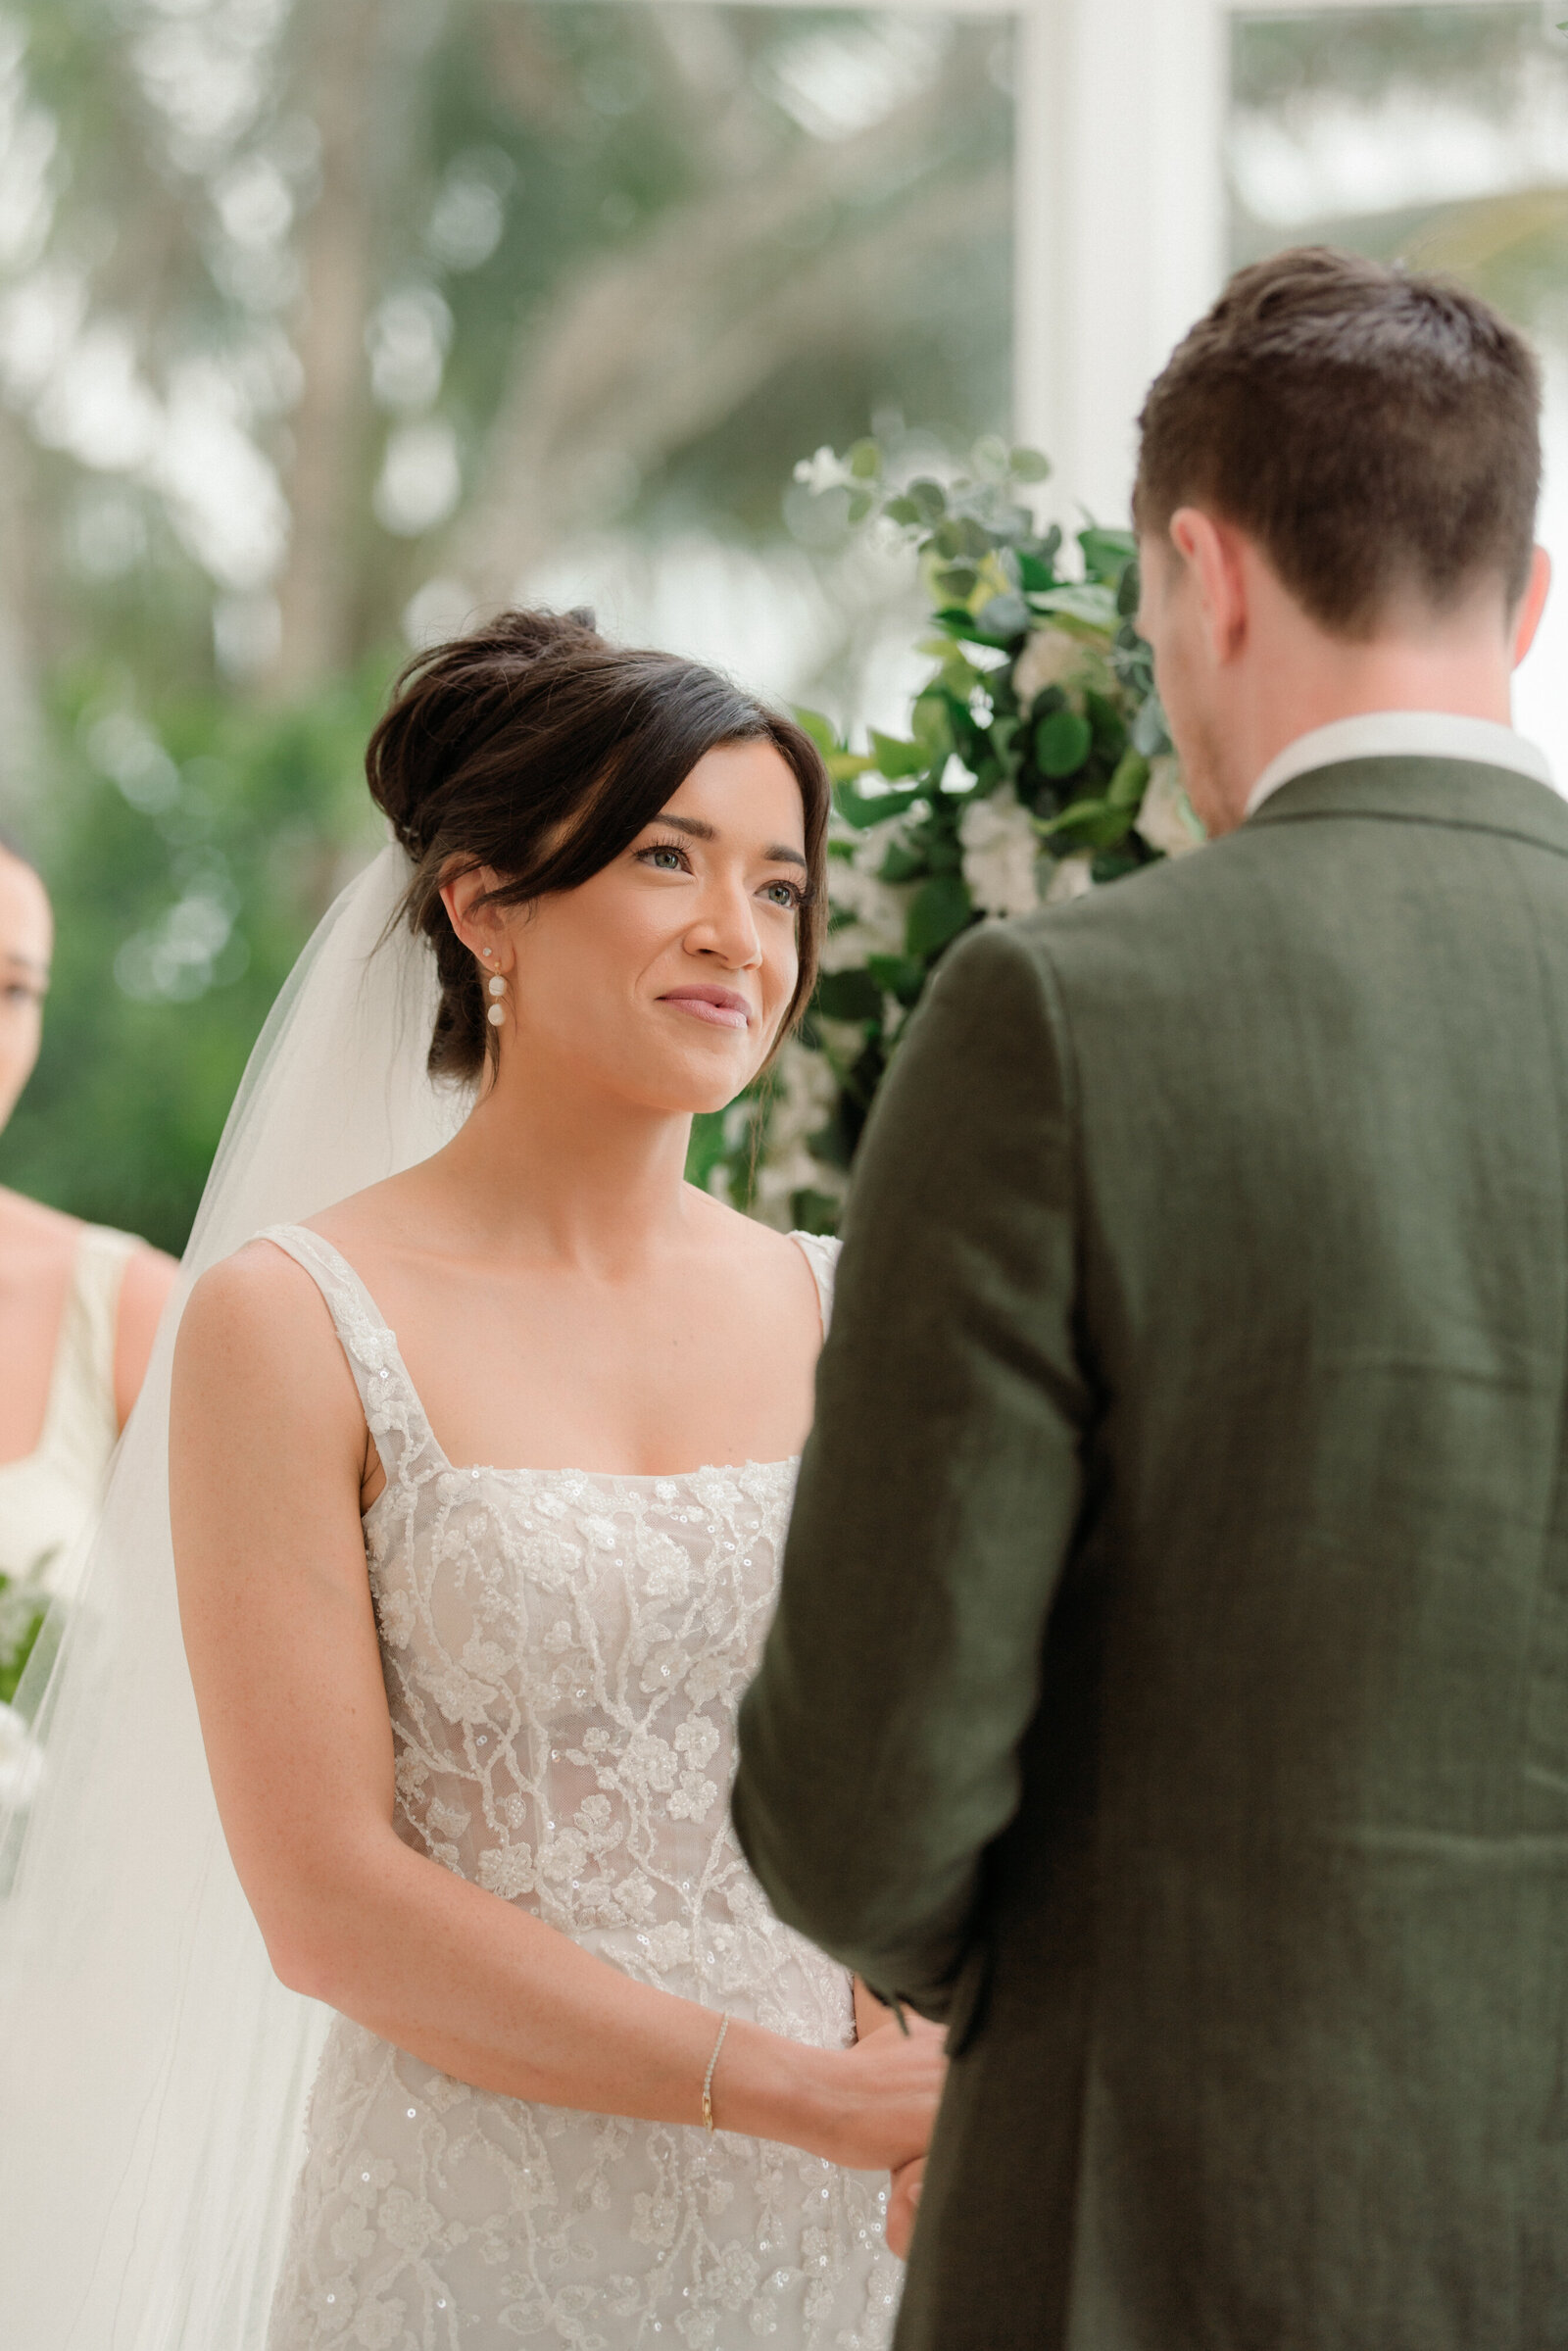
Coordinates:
(1419, 790)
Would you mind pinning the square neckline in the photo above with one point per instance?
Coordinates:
(359, 1291)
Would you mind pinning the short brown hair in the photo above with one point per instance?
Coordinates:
(1373, 430)
(540, 749)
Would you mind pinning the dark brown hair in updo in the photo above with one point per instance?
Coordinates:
(539, 749)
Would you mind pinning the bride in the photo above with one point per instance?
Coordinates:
(552, 1397)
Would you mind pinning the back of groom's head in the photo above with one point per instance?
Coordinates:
(1375, 431)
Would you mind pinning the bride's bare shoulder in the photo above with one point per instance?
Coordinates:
(759, 1248)
(253, 1307)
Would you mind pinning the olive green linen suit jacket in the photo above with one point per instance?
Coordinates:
(1170, 1679)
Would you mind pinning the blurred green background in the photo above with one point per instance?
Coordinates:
(326, 324)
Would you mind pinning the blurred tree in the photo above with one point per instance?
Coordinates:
(315, 309)
(317, 302)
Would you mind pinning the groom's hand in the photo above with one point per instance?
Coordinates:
(903, 2205)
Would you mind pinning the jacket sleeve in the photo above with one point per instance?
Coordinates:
(938, 1493)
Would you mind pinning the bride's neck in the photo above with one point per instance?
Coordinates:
(569, 1173)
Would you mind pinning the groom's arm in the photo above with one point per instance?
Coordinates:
(938, 1493)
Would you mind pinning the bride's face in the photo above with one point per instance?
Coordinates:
(665, 977)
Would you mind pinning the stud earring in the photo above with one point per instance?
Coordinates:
(497, 1013)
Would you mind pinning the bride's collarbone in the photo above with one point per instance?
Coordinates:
(527, 1377)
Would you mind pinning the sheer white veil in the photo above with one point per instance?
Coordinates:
(152, 2070)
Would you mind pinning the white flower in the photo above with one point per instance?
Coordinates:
(508, 1871)
(406, 2222)
(565, 1856)
(669, 1945)
(379, 2325)
(1167, 818)
(1050, 658)
(21, 1760)
(698, 1740)
(824, 472)
(1071, 879)
(1000, 853)
(878, 908)
(779, 1181)
(693, 1800)
(397, 1618)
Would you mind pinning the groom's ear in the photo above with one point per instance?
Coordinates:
(1533, 602)
(1212, 554)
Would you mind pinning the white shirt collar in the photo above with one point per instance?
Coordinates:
(1404, 734)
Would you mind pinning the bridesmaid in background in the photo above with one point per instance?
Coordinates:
(78, 1310)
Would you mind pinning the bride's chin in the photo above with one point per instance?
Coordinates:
(691, 1093)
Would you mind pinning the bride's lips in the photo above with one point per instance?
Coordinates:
(721, 1006)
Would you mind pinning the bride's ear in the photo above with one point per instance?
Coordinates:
(481, 928)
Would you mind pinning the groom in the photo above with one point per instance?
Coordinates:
(1170, 1682)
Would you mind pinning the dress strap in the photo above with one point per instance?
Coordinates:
(393, 1412)
(822, 1254)
(82, 1421)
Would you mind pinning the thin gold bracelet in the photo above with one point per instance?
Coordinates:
(708, 2078)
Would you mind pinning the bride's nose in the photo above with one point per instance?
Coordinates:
(725, 927)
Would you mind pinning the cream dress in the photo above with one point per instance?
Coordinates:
(49, 1499)
(564, 1655)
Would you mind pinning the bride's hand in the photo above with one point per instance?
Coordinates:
(903, 2205)
(884, 2097)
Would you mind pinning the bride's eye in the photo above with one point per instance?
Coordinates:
(788, 895)
(664, 857)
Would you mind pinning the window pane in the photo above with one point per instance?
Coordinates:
(1441, 135)
(827, 253)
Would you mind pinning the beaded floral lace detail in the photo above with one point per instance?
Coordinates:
(564, 1655)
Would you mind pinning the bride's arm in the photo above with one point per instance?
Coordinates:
(266, 1456)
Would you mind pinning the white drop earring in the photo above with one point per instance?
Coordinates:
(497, 1013)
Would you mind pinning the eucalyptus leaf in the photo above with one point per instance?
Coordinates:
(1086, 602)
(895, 760)
(1030, 465)
(958, 580)
(1151, 735)
(903, 510)
(1003, 733)
(1004, 617)
(822, 731)
(1127, 786)
(928, 498)
(902, 976)
(1093, 824)
(1062, 743)
(864, 809)
(961, 536)
(931, 725)
(901, 863)
(849, 995)
(941, 908)
(1106, 554)
(865, 460)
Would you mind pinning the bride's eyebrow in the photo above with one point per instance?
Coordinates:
(698, 829)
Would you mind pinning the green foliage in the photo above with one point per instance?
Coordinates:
(188, 857)
(22, 1616)
(1041, 702)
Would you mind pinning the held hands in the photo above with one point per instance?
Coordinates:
(886, 2094)
(903, 2204)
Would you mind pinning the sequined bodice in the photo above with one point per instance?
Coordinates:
(563, 1654)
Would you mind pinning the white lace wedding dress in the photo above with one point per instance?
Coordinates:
(563, 1654)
